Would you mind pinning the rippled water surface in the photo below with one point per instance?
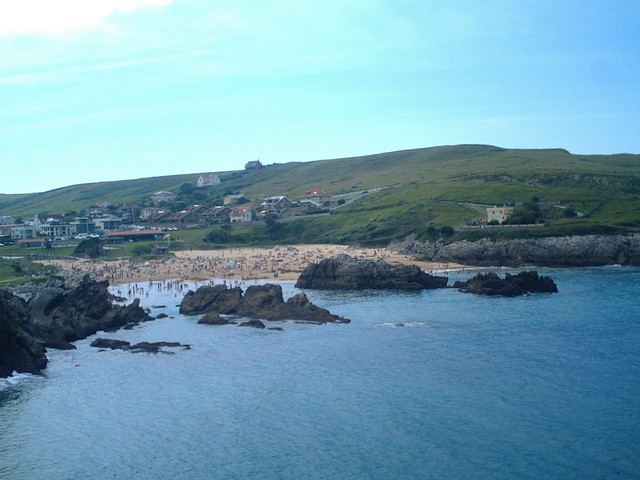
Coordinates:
(436, 384)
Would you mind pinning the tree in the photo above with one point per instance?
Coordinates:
(447, 231)
(91, 247)
(187, 188)
(217, 235)
(570, 212)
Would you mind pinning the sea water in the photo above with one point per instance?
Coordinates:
(420, 385)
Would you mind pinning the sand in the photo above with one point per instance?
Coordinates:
(278, 263)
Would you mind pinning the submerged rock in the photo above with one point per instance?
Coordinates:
(252, 323)
(511, 286)
(345, 272)
(213, 318)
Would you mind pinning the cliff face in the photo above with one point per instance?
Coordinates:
(569, 251)
(19, 350)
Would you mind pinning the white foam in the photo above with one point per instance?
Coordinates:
(403, 324)
(14, 379)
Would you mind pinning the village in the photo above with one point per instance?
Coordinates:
(140, 222)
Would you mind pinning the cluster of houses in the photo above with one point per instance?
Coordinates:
(103, 219)
(235, 209)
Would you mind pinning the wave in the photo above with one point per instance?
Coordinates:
(15, 379)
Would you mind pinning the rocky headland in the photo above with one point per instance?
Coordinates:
(523, 283)
(70, 308)
(259, 302)
(567, 251)
(345, 272)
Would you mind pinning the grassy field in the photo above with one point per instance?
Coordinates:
(391, 195)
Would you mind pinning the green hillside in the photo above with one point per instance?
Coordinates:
(390, 195)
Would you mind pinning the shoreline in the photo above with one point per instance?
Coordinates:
(242, 264)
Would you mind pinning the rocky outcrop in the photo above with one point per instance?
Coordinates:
(20, 351)
(73, 308)
(568, 251)
(211, 298)
(53, 315)
(149, 347)
(523, 283)
(348, 273)
(263, 302)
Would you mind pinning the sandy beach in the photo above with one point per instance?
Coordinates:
(277, 263)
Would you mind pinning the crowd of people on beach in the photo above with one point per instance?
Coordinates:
(234, 264)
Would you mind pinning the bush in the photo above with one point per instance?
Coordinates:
(140, 250)
(218, 235)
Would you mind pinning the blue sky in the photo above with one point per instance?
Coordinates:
(94, 90)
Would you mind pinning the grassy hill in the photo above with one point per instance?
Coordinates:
(390, 195)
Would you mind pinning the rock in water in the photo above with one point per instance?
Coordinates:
(208, 298)
(511, 286)
(252, 323)
(61, 312)
(264, 302)
(110, 343)
(213, 318)
(348, 273)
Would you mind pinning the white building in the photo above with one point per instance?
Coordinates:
(208, 180)
(241, 215)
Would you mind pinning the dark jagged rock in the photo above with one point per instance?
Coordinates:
(150, 347)
(110, 343)
(213, 318)
(156, 347)
(264, 302)
(348, 273)
(55, 314)
(63, 312)
(523, 283)
(19, 350)
(252, 323)
(208, 298)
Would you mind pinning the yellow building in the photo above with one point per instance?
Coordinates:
(499, 214)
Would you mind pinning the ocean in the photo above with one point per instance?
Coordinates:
(420, 385)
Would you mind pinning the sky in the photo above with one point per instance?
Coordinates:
(99, 90)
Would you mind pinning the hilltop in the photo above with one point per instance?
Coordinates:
(384, 197)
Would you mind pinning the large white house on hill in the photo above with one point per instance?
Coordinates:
(208, 180)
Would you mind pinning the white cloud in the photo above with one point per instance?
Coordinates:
(46, 17)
